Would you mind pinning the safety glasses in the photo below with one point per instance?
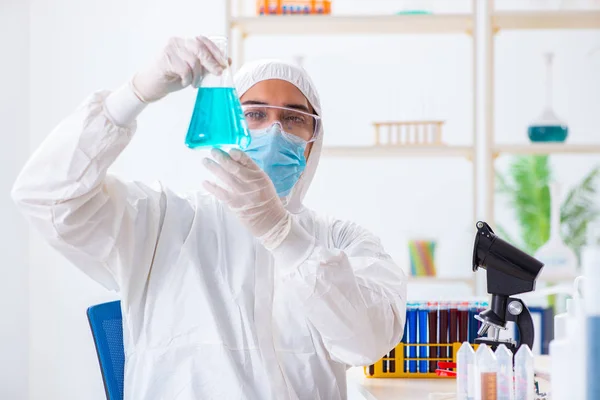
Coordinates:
(298, 123)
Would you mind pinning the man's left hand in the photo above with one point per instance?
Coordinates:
(250, 194)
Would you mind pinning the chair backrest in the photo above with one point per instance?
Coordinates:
(107, 329)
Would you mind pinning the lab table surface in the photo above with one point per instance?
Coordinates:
(361, 387)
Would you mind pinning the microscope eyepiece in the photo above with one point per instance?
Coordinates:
(509, 270)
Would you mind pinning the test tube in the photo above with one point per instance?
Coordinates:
(423, 313)
(384, 363)
(443, 331)
(433, 331)
(524, 380)
(487, 366)
(405, 340)
(472, 323)
(465, 372)
(452, 327)
(463, 322)
(388, 364)
(505, 373)
(392, 362)
(412, 336)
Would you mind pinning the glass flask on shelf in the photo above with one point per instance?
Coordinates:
(548, 127)
(218, 119)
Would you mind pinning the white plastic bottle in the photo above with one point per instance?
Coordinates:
(561, 321)
(465, 372)
(505, 373)
(524, 376)
(487, 367)
(567, 353)
(591, 271)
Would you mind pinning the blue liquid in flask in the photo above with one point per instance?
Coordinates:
(217, 120)
(548, 127)
(548, 133)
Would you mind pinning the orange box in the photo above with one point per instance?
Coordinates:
(291, 7)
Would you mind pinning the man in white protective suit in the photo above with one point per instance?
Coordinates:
(239, 293)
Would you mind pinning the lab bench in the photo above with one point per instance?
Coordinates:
(360, 387)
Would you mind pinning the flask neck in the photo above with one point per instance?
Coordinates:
(549, 61)
(225, 80)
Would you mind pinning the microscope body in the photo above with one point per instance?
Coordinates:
(509, 271)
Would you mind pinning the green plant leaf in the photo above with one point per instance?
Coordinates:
(578, 209)
(529, 177)
(525, 187)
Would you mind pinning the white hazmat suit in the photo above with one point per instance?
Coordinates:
(208, 312)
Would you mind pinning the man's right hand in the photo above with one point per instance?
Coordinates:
(182, 62)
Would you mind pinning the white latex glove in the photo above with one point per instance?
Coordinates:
(182, 62)
(250, 194)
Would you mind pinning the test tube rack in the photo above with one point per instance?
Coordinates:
(293, 7)
(433, 333)
(408, 133)
(396, 363)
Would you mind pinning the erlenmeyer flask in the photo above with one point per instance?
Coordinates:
(547, 127)
(218, 119)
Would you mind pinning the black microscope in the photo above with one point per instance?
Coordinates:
(510, 271)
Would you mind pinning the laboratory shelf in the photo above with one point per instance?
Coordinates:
(439, 279)
(398, 151)
(564, 19)
(547, 148)
(338, 24)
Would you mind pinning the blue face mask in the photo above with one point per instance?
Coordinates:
(280, 155)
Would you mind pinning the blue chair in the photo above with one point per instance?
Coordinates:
(106, 323)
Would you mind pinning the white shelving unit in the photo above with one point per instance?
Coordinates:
(240, 27)
(536, 20)
(399, 151)
(524, 21)
(339, 25)
(546, 148)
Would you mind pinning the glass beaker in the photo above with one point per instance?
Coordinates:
(548, 127)
(218, 119)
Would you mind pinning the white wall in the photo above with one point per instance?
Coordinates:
(78, 47)
(14, 132)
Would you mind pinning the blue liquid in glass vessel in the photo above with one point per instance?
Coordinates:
(218, 120)
(548, 127)
(548, 133)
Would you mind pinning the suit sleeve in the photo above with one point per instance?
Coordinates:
(354, 295)
(106, 227)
